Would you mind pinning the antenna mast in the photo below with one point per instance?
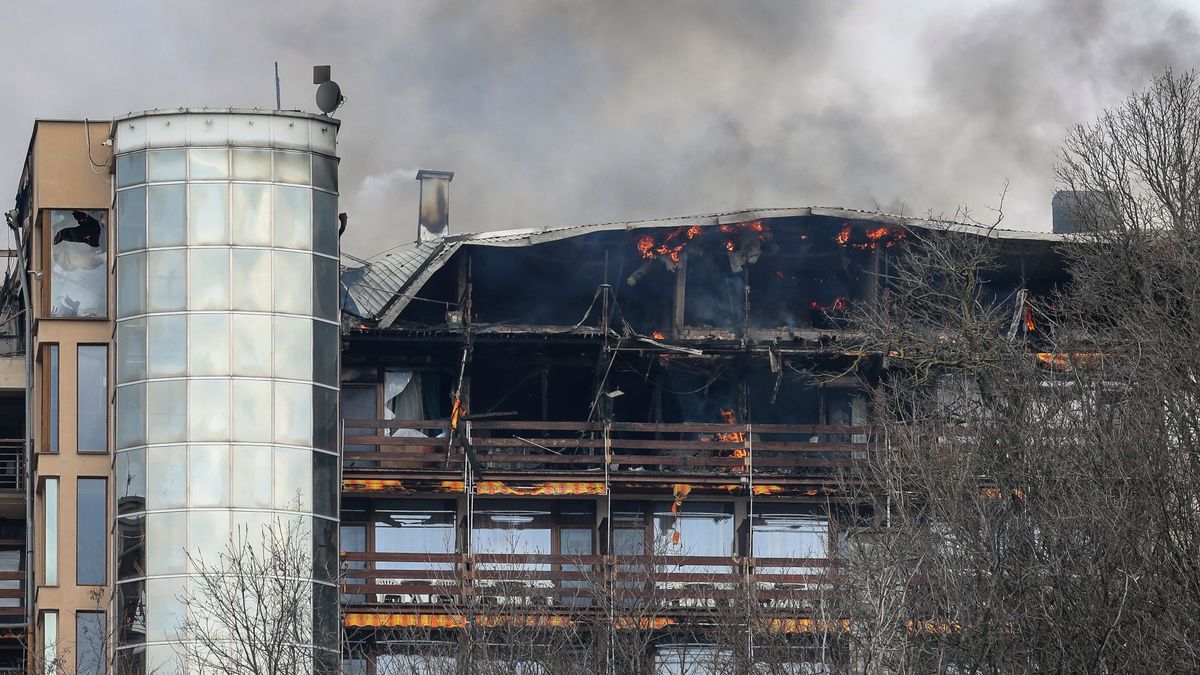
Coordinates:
(277, 104)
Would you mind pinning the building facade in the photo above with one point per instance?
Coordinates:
(588, 444)
(183, 268)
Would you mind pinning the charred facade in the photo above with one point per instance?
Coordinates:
(624, 428)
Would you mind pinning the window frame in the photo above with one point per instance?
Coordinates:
(46, 260)
(51, 422)
(80, 514)
(104, 399)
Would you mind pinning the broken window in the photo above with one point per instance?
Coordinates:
(78, 263)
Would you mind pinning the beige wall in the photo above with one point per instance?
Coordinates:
(12, 372)
(65, 175)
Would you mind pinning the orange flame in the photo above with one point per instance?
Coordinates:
(838, 305)
(455, 412)
(728, 417)
(884, 236)
(657, 335)
(671, 246)
(755, 226)
(1030, 324)
(679, 491)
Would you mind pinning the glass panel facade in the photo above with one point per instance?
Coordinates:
(91, 412)
(166, 280)
(251, 164)
(78, 263)
(223, 403)
(208, 213)
(91, 532)
(166, 217)
(131, 169)
(131, 219)
(131, 350)
(208, 342)
(131, 284)
(293, 217)
(208, 163)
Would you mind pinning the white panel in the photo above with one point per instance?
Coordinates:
(322, 137)
(131, 135)
(166, 130)
(250, 129)
(206, 129)
(290, 132)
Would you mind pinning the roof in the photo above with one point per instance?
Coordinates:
(381, 289)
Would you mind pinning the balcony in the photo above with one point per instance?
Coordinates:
(628, 451)
(12, 466)
(635, 585)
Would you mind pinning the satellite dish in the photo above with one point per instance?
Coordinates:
(329, 96)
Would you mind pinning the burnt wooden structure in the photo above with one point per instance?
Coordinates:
(632, 406)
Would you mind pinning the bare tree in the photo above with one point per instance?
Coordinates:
(1032, 503)
(250, 610)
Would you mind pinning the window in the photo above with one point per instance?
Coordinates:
(509, 526)
(695, 528)
(414, 526)
(50, 531)
(90, 641)
(78, 263)
(354, 540)
(91, 541)
(131, 219)
(50, 372)
(49, 643)
(359, 403)
(692, 660)
(787, 532)
(91, 413)
(166, 213)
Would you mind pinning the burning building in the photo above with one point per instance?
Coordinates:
(602, 435)
(529, 415)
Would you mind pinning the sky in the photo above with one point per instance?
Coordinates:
(558, 112)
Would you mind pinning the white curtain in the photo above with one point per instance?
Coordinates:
(402, 399)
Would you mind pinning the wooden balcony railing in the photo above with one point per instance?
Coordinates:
(462, 582)
(510, 447)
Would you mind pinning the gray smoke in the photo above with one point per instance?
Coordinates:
(569, 111)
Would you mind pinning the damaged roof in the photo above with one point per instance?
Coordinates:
(381, 289)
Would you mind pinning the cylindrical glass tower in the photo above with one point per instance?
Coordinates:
(227, 357)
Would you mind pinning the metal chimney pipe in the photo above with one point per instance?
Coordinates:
(433, 220)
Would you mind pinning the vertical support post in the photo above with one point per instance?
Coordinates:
(745, 308)
(677, 317)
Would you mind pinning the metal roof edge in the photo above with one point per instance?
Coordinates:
(391, 311)
(533, 235)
